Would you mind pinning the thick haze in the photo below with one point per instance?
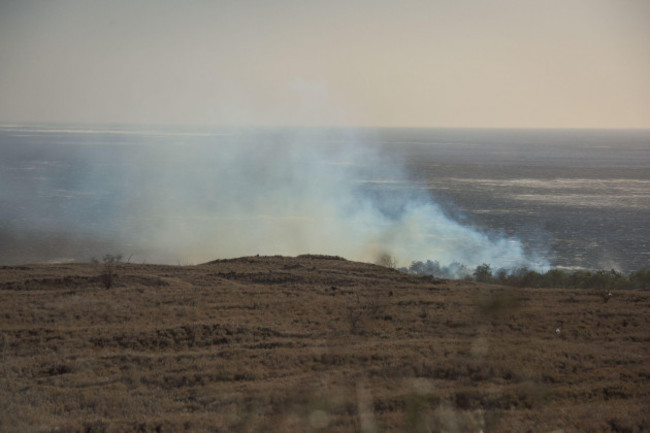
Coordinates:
(378, 63)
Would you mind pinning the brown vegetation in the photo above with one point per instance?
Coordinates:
(313, 343)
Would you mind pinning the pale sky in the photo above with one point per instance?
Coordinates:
(433, 63)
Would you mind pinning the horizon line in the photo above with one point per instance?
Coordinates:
(107, 124)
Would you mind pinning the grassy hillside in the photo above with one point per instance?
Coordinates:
(313, 343)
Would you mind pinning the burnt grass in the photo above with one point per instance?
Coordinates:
(314, 343)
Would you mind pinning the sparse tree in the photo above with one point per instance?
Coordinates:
(483, 273)
(387, 261)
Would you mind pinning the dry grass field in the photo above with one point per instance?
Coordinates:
(313, 343)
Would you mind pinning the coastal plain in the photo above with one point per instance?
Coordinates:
(313, 343)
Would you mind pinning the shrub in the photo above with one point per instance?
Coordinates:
(640, 279)
(387, 261)
(108, 275)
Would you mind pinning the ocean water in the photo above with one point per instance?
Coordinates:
(576, 198)
(582, 196)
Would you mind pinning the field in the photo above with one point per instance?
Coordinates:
(313, 343)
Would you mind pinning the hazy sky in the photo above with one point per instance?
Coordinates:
(448, 63)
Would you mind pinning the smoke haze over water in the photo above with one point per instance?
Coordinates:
(291, 193)
(192, 197)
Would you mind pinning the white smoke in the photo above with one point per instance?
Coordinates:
(289, 192)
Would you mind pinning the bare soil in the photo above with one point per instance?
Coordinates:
(313, 343)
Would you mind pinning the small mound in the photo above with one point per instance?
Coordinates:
(321, 257)
(251, 259)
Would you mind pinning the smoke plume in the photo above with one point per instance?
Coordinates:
(289, 192)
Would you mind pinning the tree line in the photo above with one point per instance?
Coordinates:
(524, 277)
